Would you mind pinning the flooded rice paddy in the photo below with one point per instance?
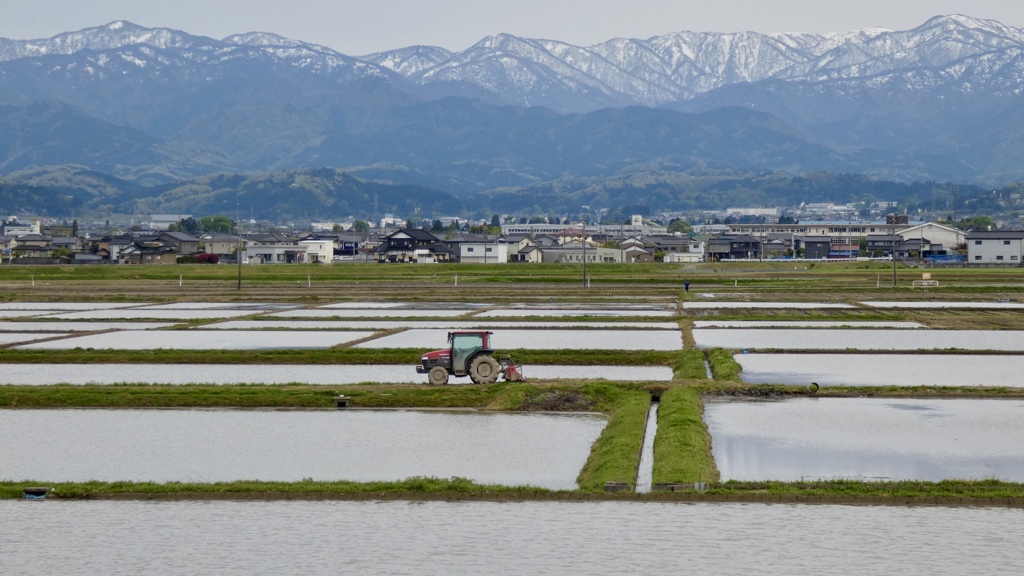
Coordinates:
(47, 326)
(948, 305)
(487, 538)
(883, 369)
(203, 340)
(542, 312)
(545, 339)
(803, 324)
(852, 339)
(147, 313)
(23, 313)
(16, 337)
(306, 374)
(256, 307)
(429, 324)
(702, 305)
(47, 306)
(369, 313)
(867, 439)
(544, 450)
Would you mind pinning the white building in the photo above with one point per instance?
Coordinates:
(999, 247)
(318, 251)
(483, 252)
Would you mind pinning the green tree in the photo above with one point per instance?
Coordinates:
(679, 225)
(187, 225)
(437, 226)
(216, 224)
(496, 220)
(361, 226)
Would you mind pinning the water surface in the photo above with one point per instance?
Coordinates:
(803, 324)
(689, 305)
(947, 305)
(174, 314)
(430, 324)
(867, 438)
(204, 340)
(853, 339)
(542, 450)
(47, 326)
(543, 339)
(883, 369)
(486, 538)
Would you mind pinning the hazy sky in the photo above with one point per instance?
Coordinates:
(362, 26)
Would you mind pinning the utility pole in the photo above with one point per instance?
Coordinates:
(954, 190)
(583, 227)
(238, 237)
(892, 221)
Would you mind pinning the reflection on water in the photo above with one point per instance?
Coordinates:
(222, 445)
(883, 369)
(867, 438)
(797, 339)
(471, 538)
(546, 339)
(205, 340)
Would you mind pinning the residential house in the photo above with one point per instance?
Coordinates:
(412, 245)
(733, 247)
(1004, 247)
(182, 243)
(634, 250)
(574, 252)
(274, 249)
(223, 245)
(148, 251)
(32, 246)
(813, 247)
(487, 252)
(522, 248)
(348, 244)
(318, 250)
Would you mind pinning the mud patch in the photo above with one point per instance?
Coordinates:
(557, 402)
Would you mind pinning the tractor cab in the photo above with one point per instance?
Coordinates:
(469, 353)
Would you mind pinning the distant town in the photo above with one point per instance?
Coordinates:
(809, 232)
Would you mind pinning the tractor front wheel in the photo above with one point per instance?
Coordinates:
(484, 370)
(437, 376)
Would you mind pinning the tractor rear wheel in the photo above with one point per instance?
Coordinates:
(484, 370)
(437, 376)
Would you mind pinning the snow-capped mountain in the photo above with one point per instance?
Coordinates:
(945, 98)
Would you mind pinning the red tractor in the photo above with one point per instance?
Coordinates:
(469, 354)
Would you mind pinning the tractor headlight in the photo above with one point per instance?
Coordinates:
(424, 359)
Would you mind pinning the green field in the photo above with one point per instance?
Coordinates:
(682, 449)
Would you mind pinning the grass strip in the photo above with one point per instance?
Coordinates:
(87, 490)
(902, 489)
(689, 365)
(507, 396)
(682, 448)
(615, 456)
(723, 365)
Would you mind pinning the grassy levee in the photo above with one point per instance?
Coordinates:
(90, 490)
(836, 490)
(615, 456)
(689, 366)
(508, 396)
(723, 366)
(682, 448)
